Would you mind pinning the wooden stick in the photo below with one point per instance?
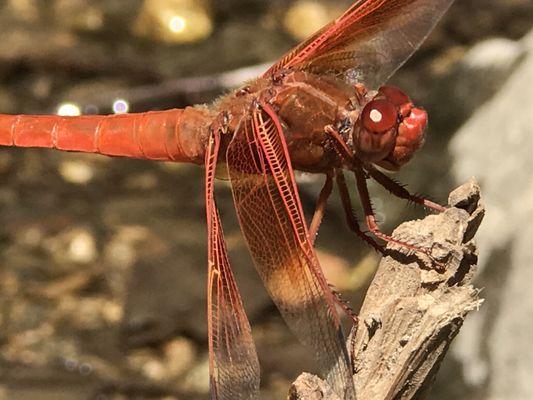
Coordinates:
(411, 311)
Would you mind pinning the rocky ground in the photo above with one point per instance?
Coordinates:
(102, 261)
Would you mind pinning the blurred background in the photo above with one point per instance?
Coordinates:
(103, 261)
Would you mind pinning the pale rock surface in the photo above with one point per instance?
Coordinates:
(496, 145)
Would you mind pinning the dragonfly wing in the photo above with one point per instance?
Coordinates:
(272, 221)
(369, 42)
(234, 366)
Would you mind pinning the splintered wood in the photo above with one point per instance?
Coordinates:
(412, 311)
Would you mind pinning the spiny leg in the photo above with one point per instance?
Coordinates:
(318, 215)
(320, 207)
(351, 219)
(398, 190)
(371, 219)
(339, 142)
(344, 305)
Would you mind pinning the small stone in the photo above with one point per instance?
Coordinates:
(174, 21)
(180, 355)
(113, 312)
(306, 17)
(197, 380)
(25, 10)
(82, 247)
(77, 172)
(154, 369)
(79, 14)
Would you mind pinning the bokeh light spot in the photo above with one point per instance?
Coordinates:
(177, 24)
(68, 110)
(120, 106)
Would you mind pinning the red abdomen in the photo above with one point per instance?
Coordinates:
(171, 135)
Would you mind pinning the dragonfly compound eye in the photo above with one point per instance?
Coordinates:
(396, 97)
(375, 136)
(410, 137)
(379, 116)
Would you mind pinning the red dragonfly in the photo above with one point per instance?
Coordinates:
(316, 110)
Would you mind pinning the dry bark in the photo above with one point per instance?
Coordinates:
(412, 311)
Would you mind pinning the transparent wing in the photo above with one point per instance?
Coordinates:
(369, 42)
(272, 221)
(234, 367)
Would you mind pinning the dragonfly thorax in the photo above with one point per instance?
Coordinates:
(306, 104)
(381, 127)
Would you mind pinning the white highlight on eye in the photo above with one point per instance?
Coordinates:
(177, 24)
(68, 110)
(120, 106)
(376, 116)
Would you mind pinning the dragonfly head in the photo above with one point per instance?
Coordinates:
(389, 129)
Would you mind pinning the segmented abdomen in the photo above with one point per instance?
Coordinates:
(172, 135)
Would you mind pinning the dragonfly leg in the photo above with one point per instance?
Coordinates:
(372, 225)
(345, 306)
(351, 218)
(339, 142)
(320, 207)
(398, 190)
(351, 343)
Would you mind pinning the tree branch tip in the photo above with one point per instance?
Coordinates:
(420, 309)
